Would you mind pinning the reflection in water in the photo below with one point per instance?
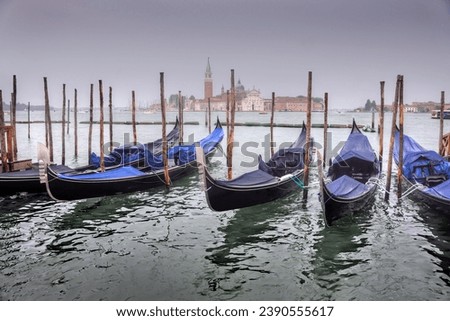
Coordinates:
(438, 224)
(337, 253)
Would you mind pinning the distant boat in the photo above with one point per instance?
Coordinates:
(368, 129)
(437, 114)
(263, 113)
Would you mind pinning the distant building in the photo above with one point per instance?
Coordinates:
(246, 100)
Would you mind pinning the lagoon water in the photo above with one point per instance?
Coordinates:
(168, 245)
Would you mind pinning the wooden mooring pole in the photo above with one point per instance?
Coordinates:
(75, 120)
(164, 136)
(230, 141)
(2, 136)
(91, 120)
(325, 131)
(29, 121)
(180, 117)
(133, 116)
(272, 111)
(102, 137)
(48, 121)
(391, 142)
(441, 123)
(308, 137)
(381, 125)
(228, 114)
(209, 115)
(14, 109)
(63, 125)
(401, 138)
(68, 117)
(111, 143)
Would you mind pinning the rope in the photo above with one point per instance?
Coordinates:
(299, 182)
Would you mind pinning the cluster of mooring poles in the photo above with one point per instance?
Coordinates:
(8, 137)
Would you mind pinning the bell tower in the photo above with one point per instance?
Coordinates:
(208, 81)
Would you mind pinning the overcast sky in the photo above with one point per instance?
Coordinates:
(349, 45)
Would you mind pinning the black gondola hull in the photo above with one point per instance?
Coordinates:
(335, 208)
(222, 198)
(71, 189)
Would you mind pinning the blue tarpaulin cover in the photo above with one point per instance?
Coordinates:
(120, 172)
(418, 162)
(346, 187)
(442, 190)
(255, 177)
(129, 153)
(356, 146)
(186, 153)
(182, 154)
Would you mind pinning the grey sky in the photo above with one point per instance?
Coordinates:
(349, 45)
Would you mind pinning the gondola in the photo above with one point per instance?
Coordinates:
(126, 179)
(425, 171)
(352, 177)
(134, 154)
(274, 179)
(28, 180)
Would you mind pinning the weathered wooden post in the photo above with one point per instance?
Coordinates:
(381, 124)
(391, 142)
(209, 115)
(228, 114)
(91, 120)
(48, 120)
(111, 143)
(133, 116)
(63, 125)
(325, 131)
(441, 122)
(180, 117)
(29, 126)
(373, 118)
(102, 137)
(230, 141)
(308, 137)
(68, 116)
(75, 120)
(2, 136)
(400, 156)
(272, 112)
(164, 136)
(14, 109)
